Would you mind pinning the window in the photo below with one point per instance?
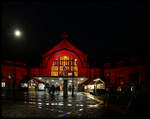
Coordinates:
(64, 64)
(54, 69)
(3, 84)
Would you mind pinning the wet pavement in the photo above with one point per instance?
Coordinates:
(42, 104)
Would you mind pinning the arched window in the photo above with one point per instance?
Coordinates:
(63, 65)
(54, 69)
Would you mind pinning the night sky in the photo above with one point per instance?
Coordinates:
(100, 29)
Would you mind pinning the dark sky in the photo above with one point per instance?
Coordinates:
(100, 29)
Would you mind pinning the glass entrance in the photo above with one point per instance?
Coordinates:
(60, 86)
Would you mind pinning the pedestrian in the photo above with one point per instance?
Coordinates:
(49, 89)
(70, 88)
(53, 89)
(58, 89)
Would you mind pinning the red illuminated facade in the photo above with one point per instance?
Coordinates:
(60, 56)
(10, 69)
(124, 75)
(65, 59)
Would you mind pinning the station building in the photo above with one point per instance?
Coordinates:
(65, 65)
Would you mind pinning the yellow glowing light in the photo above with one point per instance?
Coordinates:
(119, 89)
(60, 78)
(90, 106)
(91, 86)
(40, 78)
(85, 87)
(17, 33)
(81, 78)
(3, 84)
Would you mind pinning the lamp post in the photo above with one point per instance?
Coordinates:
(17, 34)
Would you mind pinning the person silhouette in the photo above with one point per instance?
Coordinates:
(53, 89)
(58, 89)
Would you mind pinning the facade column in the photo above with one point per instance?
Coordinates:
(65, 88)
(72, 87)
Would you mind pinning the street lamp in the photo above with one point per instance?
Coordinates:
(17, 33)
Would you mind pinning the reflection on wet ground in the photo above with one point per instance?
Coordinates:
(73, 106)
(80, 105)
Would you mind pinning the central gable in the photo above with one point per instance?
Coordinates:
(64, 44)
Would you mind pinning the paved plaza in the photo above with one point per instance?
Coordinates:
(42, 104)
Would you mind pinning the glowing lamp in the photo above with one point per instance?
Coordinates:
(17, 33)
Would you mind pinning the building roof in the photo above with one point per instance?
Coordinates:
(64, 44)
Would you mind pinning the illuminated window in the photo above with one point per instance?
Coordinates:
(54, 69)
(74, 68)
(75, 73)
(3, 84)
(64, 64)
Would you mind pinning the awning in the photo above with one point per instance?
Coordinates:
(86, 82)
(98, 82)
(39, 81)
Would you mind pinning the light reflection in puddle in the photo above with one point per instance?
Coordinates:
(32, 102)
(39, 103)
(80, 109)
(90, 106)
(60, 103)
(39, 100)
(33, 106)
(77, 105)
(62, 115)
(39, 107)
(80, 105)
(53, 103)
(69, 104)
(60, 111)
(32, 99)
(68, 112)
